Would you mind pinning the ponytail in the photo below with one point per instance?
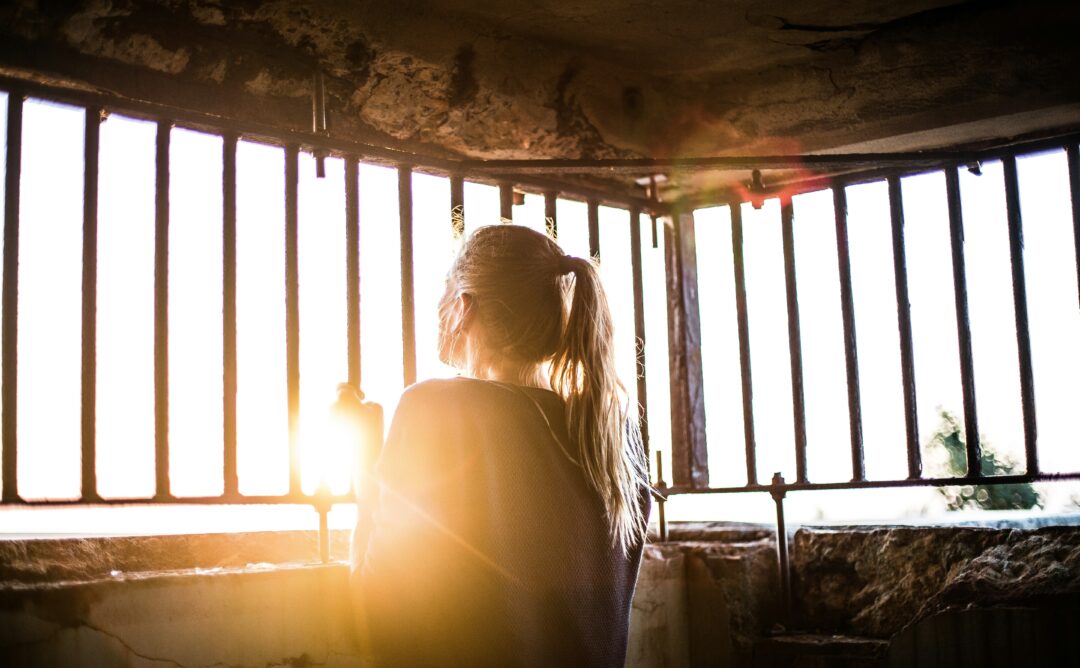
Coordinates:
(583, 373)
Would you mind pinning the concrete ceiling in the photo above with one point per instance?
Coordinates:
(498, 79)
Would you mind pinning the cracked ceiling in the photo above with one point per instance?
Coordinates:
(581, 79)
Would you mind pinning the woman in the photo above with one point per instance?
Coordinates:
(513, 500)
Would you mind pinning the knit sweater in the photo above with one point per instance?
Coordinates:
(488, 546)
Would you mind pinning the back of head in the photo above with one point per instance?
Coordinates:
(537, 306)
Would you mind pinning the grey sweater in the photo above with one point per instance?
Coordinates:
(488, 546)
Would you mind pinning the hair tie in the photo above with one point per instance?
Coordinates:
(567, 263)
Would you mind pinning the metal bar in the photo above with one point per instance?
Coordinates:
(161, 312)
(903, 321)
(689, 455)
(408, 309)
(551, 216)
(506, 202)
(91, 144)
(228, 312)
(847, 307)
(292, 310)
(312, 500)
(744, 343)
(963, 324)
(594, 230)
(457, 206)
(661, 487)
(782, 558)
(9, 394)
(1023, 335)
(639, 327)
(798, 403)
(352, 266)
(1073, 154)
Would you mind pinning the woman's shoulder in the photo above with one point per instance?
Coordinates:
(462, 393)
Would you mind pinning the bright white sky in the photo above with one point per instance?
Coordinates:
(50, 306)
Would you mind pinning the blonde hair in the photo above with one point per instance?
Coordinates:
(537, 306)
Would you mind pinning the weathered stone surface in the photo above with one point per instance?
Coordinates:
(44, 560)
(520, 79)
(658, 619)
(875, 581)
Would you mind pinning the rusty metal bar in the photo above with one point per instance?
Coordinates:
(661, 488)
(551, 216)
(594, 230)
(798, 403)
(228, 312)
(457, 206)
(161, 312)
(506, 202)
(91, 145)
(292, 310)
(743, 322)
(963, 323)
(352, 266)
(639, 326)
(1023, 335)
(847, 307)
(903, 320)
(9, 352)
(689, 455)
(408, 308)
(777, 492)
(1073, 154)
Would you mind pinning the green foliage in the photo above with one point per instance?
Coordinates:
(1019, 496)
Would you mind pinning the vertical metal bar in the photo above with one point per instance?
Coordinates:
(408, 309)
(782, 558)
(798, 404)
(292, 311)
(689, 455)
(1073, 154)
(639, 326)
(594, 230)
(963, 324)
(1023, 335)
(161, 312)
(661, 486)
(744, 343)
(903, 321)
(91, 143)
(352, 265)
(228, 311)
(506, 202)
(457, 206)
(9, 397)
(847, 307)
(551, 218)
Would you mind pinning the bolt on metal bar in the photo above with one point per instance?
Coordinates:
(408, 308)
(506, 202)
(91, 143)
(1023, 334)
(228, 311)
(9, 352)
(352, 266)
(1073, 154)
(851, 352)
(457, 207)
(161, 312)
(903, 321)
(639, 326)
(551, 217)
(743, 322)
(594, 230)
(963, 323)
(292, 310)
(798, 402)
